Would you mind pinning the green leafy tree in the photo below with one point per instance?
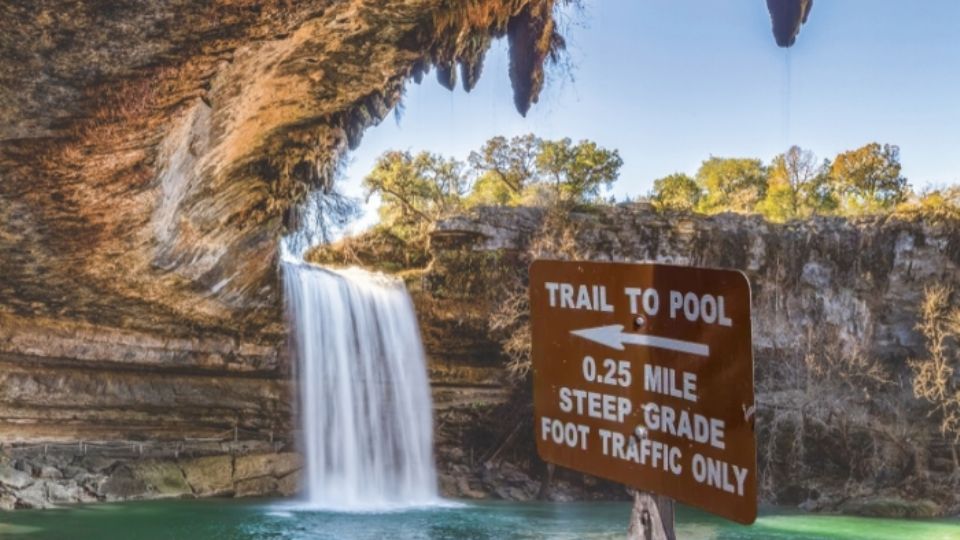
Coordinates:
(530, 170)
(731, 184)
(780, 202)
(416, 190)
(933, 203)
(676, 192)
(868, 179)
(576, 172)
(797, 186)
(512, 162)
(490, 190)
(817, 196)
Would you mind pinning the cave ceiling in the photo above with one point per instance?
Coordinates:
(153, 152)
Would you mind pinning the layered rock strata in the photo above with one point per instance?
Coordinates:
(151, 156)
(58, 477)
(835, 313)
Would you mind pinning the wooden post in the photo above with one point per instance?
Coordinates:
(544, 491)
(652, 518)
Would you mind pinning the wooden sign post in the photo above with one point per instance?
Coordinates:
(643, 374)
(652, 518)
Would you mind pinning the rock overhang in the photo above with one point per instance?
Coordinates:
(153, 152)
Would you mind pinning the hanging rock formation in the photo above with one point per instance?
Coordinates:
(152, 153)
(787, 17)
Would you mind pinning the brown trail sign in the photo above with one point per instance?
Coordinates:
(643, 374)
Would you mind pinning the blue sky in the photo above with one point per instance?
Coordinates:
(670, 82)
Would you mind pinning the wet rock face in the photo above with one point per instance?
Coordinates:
(787, 17)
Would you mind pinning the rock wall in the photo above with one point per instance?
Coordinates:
(857, 281)
(152, 153)
(834, 323)
(58, 477)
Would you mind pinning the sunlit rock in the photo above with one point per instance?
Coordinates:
(151, 156)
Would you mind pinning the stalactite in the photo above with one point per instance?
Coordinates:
(787, 17)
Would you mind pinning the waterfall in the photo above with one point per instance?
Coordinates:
(366, 412)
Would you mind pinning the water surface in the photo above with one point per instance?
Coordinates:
(247, 519)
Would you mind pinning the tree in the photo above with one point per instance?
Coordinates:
(935, 378)
(676, 192)
(530, 170)
(868, 179)
(511, 162)
(416, 190)
(934, 203)
(576, 172)
(490, 190)
(797, 186)
(780, 202)
(731, 184)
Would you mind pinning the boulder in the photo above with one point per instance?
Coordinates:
(48, 472)
(466, 490)
(14, 478)
(64, 492)
(121, 485)
(7, 501)
(33, 496)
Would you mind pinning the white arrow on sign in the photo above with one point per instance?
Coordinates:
(614, 337)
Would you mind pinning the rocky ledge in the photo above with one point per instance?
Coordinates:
(44, 481)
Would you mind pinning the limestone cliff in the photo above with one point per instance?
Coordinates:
(835, 308)
(152, 153)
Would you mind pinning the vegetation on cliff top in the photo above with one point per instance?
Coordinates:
(795, 185)
(417, 190)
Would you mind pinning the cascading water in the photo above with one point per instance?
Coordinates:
(366, 410)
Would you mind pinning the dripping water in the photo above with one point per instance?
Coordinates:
(787, 98)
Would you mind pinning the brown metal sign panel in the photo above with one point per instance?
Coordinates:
(643, 374)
